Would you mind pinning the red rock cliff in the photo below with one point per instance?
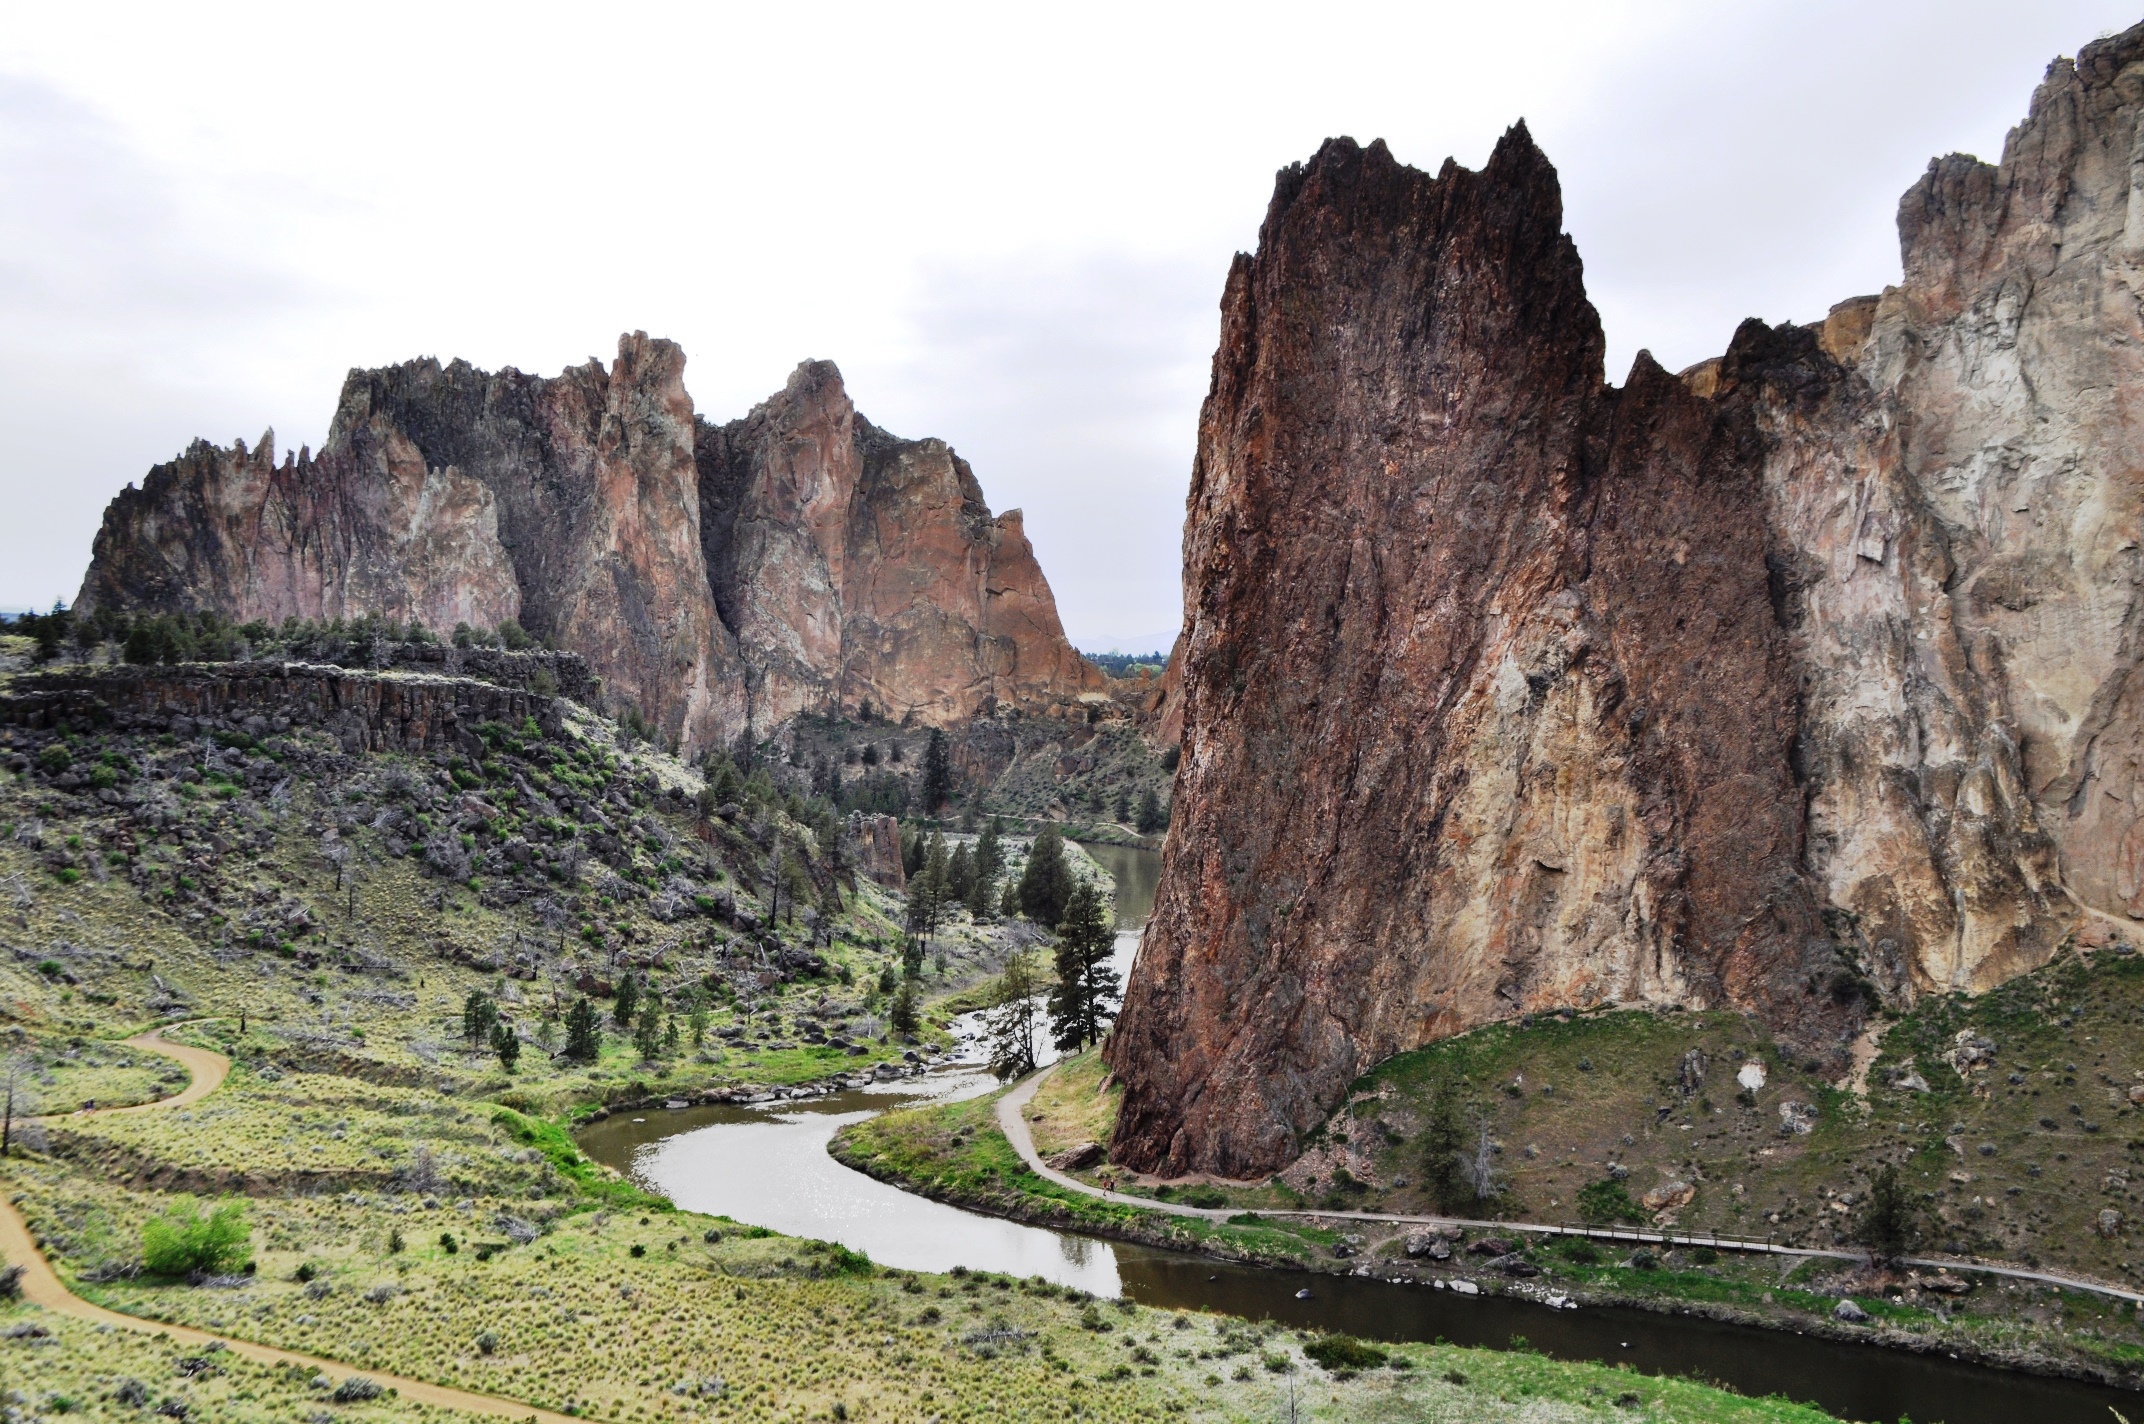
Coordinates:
(714, 577)
(855, 566)
(1805, 677)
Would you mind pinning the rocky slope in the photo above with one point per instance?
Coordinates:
(715, 577)
(1802, 679)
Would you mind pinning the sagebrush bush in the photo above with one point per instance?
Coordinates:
(187, 1240)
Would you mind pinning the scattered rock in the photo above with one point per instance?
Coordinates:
(1797, 1119)
(1669, 1196)
(1849, 1312)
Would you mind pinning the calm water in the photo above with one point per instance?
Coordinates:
(771, 1168)
(1138, 872)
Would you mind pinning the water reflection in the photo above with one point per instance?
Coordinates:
(1138, 875)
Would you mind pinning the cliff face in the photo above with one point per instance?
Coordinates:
(714, 577)
(1806, 675)
(854, 566)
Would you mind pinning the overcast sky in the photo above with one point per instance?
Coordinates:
(1009, 225)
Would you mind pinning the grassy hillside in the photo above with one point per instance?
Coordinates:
(414, 1205)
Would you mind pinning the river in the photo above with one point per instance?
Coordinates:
(771, 1168)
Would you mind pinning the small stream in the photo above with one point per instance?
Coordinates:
(769, 1167)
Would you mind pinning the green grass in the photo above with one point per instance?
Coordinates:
(71, 1369)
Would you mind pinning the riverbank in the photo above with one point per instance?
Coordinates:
(958, 1154)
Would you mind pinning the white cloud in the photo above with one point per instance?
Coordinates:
(1009, 225)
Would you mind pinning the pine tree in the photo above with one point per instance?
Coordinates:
(1085, 997)
(584, 1034)
(1010, 1023)
(628, 999)
(1046, 884)
(937, 773)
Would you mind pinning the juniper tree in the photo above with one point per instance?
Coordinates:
(1442, 1142)
(478, 1016)
(1888, 1223)
(584, 1035)
(647, 1036)
(959, 875)
(507, 1044)
(903, 1014)
(927, 891)
(628, 1000)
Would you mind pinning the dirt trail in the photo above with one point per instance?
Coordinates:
(209, 1070)
(42, 1286)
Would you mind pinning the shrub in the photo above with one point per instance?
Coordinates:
(187, 1240)
(1344, 1352)
(1607, 1200)
(356, 1390)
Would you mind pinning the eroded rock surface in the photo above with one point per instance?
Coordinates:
(715, 577)
(1808, 675)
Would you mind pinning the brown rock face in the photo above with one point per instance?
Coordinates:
(855, 566)
(716, 578)
(1805, 676)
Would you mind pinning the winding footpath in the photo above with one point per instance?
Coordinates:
(41, 1285)
(1013, 1121)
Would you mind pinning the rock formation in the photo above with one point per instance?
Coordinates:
(1806, 677)
(365, 711)
(854, 566)
(716, 578)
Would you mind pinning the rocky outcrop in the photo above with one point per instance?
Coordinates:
(875, 849)
(1808, 676)
(855, 567)
(364, 711)
(715, 577)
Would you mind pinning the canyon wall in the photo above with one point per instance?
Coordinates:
(1802, 680)
(716, 578)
